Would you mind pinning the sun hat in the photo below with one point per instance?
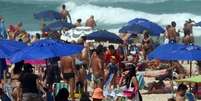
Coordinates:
(98, 94)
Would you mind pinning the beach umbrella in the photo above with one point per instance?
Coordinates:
(103, 35)
(145, 24)
(189, 52)
(193, 79)
(177, 52)
(48, 15)
(132, 29)
(10, 47)
(59, 25)
(165, 51)
(46, 48)
(198, 24)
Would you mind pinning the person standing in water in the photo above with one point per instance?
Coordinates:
(65, 14)
(91, 22)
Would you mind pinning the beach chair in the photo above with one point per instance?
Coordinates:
(58, 86)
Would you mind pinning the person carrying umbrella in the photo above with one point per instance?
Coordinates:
(65, 14)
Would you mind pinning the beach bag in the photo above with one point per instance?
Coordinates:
(129, 92)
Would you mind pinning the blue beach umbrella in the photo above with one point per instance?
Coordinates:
(198, 24)
(103, 35)
(58, 25)
(48, 15)
(10, 47)
(189, 52)
(165, 51)
(46, 48)
(133, 29)
(144, 24)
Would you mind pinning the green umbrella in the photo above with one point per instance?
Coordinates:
(193, 79)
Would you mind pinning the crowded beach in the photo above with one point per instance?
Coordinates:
(97, 65)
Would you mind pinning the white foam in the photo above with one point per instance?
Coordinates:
(140, 1)
(112, 15)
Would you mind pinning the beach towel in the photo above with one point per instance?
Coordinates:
(140, 79)
(155, 73)
(106, 91)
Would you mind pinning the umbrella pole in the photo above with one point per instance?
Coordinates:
(190, 74)
(171, 65)
(190, 68)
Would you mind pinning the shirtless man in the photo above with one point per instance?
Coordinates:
(91, 22)
(65, 14)
(189, 26)
(97, 68)
(68, 72)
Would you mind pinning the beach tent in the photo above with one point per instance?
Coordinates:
(104, 36)
(58, 25)
(47, 15)
(140, 24)
(46, 48)
(10, 47)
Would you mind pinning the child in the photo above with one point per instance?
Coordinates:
(113, 69)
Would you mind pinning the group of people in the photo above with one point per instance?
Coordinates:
(96, 71)
(172, 34)
(90, 22)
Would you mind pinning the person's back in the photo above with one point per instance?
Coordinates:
(28, 83)
(67, 64)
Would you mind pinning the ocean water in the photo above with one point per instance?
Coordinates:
(109, 14)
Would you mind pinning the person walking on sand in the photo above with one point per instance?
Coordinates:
(91, 22)
(68, 72)
(65, 14)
